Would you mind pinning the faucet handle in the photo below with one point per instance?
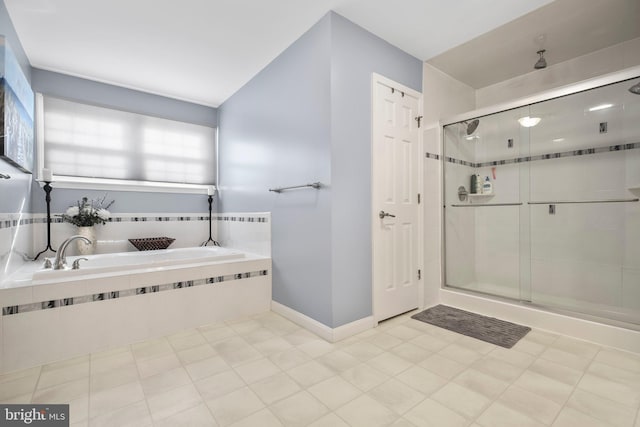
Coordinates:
(47, 263)
(76, 263)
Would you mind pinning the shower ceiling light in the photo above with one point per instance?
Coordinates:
(542, 63)
(529, 121)
(601, 107)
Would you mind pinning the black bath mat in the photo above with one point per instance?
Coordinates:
(489, 329)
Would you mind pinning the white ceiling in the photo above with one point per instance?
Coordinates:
(204, 50)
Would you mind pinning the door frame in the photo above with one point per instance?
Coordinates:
(375, 80)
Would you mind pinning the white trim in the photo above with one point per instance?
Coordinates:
(599, 333)
(569, 89)
(127, 185)
(320, 329)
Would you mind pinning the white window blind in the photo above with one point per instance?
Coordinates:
(83, 140)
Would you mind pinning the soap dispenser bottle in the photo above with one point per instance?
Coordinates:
(487, 187)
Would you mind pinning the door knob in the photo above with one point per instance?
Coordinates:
(382, 214)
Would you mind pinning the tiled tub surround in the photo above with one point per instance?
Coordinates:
(24, 235)
(93, 313)
(85, 313)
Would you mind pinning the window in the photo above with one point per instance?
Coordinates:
(84, 143)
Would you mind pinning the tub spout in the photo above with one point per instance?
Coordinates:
(60, 263)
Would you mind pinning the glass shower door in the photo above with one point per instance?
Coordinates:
(485, 248)
(585, 218)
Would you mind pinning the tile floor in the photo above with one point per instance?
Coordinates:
(265, 371)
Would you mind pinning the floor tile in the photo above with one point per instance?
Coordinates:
(569, 360)
(612, 390)
(108, 400)
(316, 348)
(198, 416)
(257, 370)
(338, 361)
(556, 371)
(576, 347)
(536, 407)
(544, 386)
(403, 332)
(164, 381)
(385, 341)
(262, 418)
(570, 417)
(310, 373)
(185, 340)
(513, 357)
(196, 353)
(396, 396)
(114, 377)
(218, 385)
(632, 379)
(290, 358)
(481, 383)
(272, 346)
(421, 380)
(217, 334)
(111, 362)
(300, 409)
(206, 367)
(602, 409)
(410, 352)
(63, 374)
(460, 399)
(329, 420)
(24, 373)
(62, 393)
(363, 350)
(442, 366)
(389, 363)
(460, 354)
(334, 392)
(619, 359)
(497, 368)
(274, 388)
(18, 386)
(498, 415)
(234, 406)
(136, 415)
(151, 349)
(429, 342)
(235, 351)
(430, 413)
(366, 412)
(364, 377)
(157, 365)
(174, 401)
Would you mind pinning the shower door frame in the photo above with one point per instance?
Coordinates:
(570, 89)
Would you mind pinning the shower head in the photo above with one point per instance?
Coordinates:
(542, 63)
(471, 126)
(635, 89)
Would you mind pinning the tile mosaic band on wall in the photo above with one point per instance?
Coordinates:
(573, 153)
(432, 156)
(103, 296)
(11, 223)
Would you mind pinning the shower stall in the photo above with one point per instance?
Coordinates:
(559, 227)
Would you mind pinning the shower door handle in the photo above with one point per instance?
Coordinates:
(382, 214)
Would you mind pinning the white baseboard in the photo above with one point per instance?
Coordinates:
(599, 333)
(320, 329)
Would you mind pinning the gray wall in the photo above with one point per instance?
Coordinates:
(355, 55)
(87, 91)
(275, 132)
(307, 117)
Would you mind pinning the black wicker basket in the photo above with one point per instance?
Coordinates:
(152, 243)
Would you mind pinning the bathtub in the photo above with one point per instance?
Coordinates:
(106, 265)
(122, 298)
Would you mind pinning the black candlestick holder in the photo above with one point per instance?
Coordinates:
(47, 189)
(210, 239)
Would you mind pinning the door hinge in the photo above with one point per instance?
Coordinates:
(419, 274)
(418, 198)
(418, 119)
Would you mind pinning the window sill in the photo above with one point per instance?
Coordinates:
(125, 185)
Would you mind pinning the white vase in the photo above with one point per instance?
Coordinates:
(85, 248)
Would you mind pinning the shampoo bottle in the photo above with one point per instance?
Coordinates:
(487, 187)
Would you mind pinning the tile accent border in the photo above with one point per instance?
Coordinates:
(55, 219)
(432, 156)
(103, 296)
(548, 156)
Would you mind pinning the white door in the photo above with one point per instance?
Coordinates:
(395, 188)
